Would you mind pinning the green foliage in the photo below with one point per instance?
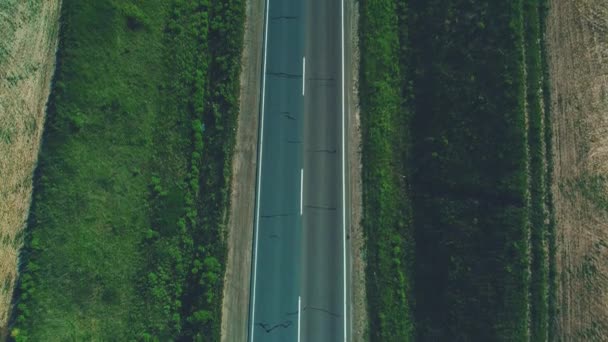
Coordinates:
(539, 310)
(386, 216)
(131, 192)
(455, 153)
(134, 16)
(201, 317)
(194, 30)
(548, 130)
(470, 171)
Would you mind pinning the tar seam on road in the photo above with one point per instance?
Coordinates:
(257, 218)
(343, 170)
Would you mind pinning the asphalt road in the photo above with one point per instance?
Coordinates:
(299, 287)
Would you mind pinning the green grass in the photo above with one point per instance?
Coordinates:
(130, 193)
(551, 226)
(592, 188)
(386, 216)
(470, 171)
(454, 177)
(14, 14)
(89, 214)
(539, 283)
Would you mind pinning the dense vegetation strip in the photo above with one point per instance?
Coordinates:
(548, 134)
(470, 171)
(125, 233)
(454, 114)
(386, 219)
(538, 172)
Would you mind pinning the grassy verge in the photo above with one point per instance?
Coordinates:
(124, 236)
(386, 216)
(548, 134)
(454, 130)
(470, 171)
(539, 219)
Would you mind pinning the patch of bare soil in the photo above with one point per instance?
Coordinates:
(235, 305)
(28, 42)
(577, 37)
(357, 240)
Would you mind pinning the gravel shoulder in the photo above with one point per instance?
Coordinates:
(235, 306)
(358, 265)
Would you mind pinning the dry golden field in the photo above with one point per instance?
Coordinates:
(28, 41)
(577, 37)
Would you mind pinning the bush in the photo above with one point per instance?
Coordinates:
(135, 18)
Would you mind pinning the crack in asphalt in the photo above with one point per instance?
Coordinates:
(335, 315)
(331, 151)
(269, 328)
(288, 115)
(323, 79)
(283, 74)
(284, 17)
(277, 215)
(292, 313)
(321, 207)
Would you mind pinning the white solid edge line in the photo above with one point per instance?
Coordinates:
(303, 75)
(257, 215)
(343, 173)
(299, 315)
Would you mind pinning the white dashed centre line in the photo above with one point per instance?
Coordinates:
(303, 75)
(299, 315)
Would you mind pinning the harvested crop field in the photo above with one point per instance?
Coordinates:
(577, 37)
(28, 40)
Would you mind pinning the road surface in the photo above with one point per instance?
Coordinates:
(301, 256)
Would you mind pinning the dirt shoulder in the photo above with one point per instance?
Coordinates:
(578, 54)
(28, 42)
(235, 306)
(359, 297)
